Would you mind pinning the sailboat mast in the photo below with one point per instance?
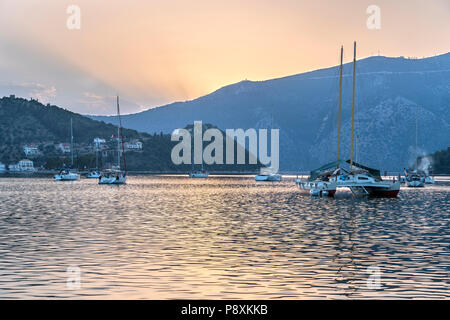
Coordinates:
(71, 141)
(417, 150)
(121, 138)
(96, 155)
(118, 135)
(340, 106)
(353, 105)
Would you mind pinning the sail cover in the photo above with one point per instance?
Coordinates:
(328, 169)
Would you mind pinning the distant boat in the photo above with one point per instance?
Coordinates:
(198, 173)
(415, 179)
(65, 174)
(268, 174)
(93, 174)
(115, 175)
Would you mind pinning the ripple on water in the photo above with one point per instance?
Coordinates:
(224, 237)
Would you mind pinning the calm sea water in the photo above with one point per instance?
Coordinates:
(224, 237)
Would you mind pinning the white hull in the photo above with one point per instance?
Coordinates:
(121, 179)
(67, 177)
(415, 184)
(429, 180)
(317, 188)
(271, 177)
(93, 175)
(198, 175)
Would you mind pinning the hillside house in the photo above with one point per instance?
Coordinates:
(64, 147)
(31, 150)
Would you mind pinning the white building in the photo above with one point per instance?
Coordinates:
(64, 147)
(31, 150)
(99, 142)
(26, 165)
(14, 168)
(2, 167)
(136, 145)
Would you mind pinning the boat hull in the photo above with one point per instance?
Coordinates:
(66, 177)
(93, 175)
(272, 177)
(319, 188)
(415, 184)
(112, 180)
(198, 175)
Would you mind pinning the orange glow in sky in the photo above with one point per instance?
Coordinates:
(156, 52)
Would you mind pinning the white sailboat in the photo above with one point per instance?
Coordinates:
(94, 173)
(199, 173)
(65, 174)
(115, 175)
(416, 178)
(202, 174)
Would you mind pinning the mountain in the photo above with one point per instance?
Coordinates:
(28, 122)
(391, 94)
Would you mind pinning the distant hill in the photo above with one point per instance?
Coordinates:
(391, 94)
(30, 122)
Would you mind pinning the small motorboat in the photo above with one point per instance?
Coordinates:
(65, 175)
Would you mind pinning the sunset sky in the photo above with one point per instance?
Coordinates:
(160, 51)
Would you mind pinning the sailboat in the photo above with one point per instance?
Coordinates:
(199, 173)
(417, 178)
(65, 174)
(358, 178)
(115, 175)
(268, 173)
(94, 173)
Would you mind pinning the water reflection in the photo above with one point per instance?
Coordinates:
(224, 237)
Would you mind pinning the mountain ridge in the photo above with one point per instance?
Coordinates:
(304, 108)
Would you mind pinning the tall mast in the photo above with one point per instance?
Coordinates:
(71, 141)
(417, 151)
(96, 155)
(340, 106)
(120, 136)
(353, 104)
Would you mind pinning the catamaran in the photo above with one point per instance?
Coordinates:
(115, 175)
(358, 178)
(65, 174)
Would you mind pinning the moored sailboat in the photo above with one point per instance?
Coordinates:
(115, 175)
(358, 178)
(65, 174)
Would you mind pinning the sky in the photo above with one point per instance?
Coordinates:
(156, 52)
